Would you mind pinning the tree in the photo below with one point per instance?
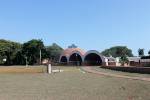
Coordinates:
(16, 53)
(54, 51)
(8, 51)
(123, 60)
(19, 58)
(149, 52)
(31, 50)
(117, 51)
(141, 52)
(72, 46)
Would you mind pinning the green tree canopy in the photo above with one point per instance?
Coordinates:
(117, 51)
(8, 51)
(72, 46)
(149, 52)
(141, 52)
(123, 60)
(54, 51)
(16, 53)
(31, 50)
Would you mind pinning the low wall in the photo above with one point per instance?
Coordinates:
(144, 70)
(144, 64)
(132, 63)
(112, 63)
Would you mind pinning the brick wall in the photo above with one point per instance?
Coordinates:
(145, 70)
(111, 63)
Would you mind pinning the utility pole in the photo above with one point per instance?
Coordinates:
(26, 61)
(40, 57)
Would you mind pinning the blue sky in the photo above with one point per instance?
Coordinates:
(90, 24)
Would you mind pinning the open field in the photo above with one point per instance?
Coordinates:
(72, 84)
(23, 69)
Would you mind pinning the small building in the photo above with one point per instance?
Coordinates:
(77, 56)
(111, 61)
(145, 61)
(134, 61)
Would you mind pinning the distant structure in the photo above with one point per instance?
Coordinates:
(72, 46)
(78, 57)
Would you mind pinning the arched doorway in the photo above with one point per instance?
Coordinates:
(75, 59)
(92, 59)
(63, 60)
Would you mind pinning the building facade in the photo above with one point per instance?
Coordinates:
(77, 56)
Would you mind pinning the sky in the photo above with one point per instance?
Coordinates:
(90, 24)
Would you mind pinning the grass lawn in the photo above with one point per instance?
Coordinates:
(23, 69)
(71, 84)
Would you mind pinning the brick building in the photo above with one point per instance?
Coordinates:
(77, 56)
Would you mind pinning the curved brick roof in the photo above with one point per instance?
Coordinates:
(95, 52)
(69, 51)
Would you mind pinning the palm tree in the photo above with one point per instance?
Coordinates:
(149, 52)
(141, 52)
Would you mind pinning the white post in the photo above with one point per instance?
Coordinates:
(106, 61)
(49, 69)
(26, 61)
(117, 62)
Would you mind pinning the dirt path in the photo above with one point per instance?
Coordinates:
(91, 70)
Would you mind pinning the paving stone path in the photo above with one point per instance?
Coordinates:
(91, 70)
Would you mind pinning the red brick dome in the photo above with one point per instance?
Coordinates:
(69, 51)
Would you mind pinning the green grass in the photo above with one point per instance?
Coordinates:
(23, 69)
(70, 85)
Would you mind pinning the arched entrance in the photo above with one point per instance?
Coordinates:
(75, 59)
(92, 59)
(63, 60)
